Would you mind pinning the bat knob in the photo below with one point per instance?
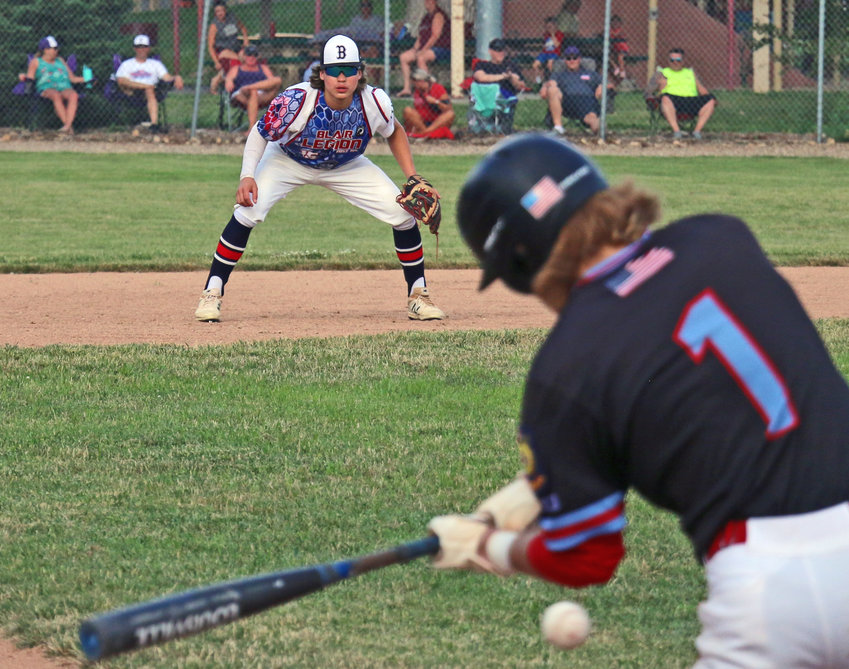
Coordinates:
(90, 642)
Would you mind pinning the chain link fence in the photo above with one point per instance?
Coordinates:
(761, 59)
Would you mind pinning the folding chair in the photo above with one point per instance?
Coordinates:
(226, 115)
(489, 111)
(685, 121)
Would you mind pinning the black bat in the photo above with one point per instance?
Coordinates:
(190, 612)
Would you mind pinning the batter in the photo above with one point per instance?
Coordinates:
(317, 133)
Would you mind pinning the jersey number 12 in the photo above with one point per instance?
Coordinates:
(707, 323)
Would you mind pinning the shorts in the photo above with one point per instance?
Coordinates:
(441, 52)
(578, 106)
(689, 105)
(546, 56)
(233, 95)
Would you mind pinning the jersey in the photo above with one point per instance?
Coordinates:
(150, 71)
(313, 134)
(684, 367)
(577, 83)
(681, 83)
(51, 75)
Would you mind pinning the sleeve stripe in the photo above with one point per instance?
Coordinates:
(586, 513)
(379, 108)
(569, 542)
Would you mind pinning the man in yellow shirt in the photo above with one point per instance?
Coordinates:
(682, 93)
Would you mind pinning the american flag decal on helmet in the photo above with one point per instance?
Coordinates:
(539, 200)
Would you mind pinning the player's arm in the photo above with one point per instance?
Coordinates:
(399, 144)
(247, 193)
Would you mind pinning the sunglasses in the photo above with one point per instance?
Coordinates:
(336, 70)
(572, 58)
(676, 59)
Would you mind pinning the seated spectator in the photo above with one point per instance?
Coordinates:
(499, 70)
(573, 92)
(140, 75)
(682, 93)
(433, 42)
(567, 18)
(252, 84)
(223, 43)
(618, 47)
(552, 40)
(52, 79)
(431, 115)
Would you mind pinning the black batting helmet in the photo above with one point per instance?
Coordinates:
(516, 200)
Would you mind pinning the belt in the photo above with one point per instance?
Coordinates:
(733, 533)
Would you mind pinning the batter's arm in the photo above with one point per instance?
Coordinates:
(400, 147)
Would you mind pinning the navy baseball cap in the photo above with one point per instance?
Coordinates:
(572, 51)
(48, 42)
(251, 50)
(497, 45)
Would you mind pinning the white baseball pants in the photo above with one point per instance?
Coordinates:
(781, 599)
(360, 182)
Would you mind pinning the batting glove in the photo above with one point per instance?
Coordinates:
(463, 544)
(513, 508)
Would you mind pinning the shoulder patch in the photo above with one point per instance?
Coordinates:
(639, 270)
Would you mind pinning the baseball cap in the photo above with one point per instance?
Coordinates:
(421, 75)
(141, 40)
(48, 42)
(572, 51)
(251, 50)
(340, 50)
(497, 45)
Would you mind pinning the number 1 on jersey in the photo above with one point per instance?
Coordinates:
(707, 323)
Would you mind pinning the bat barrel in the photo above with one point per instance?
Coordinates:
(188, 613)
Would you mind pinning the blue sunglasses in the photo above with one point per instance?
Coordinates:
(336, 70)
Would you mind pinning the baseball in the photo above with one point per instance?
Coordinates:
(565, 625)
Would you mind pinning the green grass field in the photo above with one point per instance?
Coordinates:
(133, 471)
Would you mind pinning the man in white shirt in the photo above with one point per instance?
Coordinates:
(140, 75)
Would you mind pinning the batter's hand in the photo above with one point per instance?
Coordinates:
(514, 507)
(248, 193)
(460, 540)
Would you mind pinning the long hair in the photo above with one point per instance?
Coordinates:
(616, 216)
(318, 83)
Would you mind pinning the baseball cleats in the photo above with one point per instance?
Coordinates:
(421, 308)
(209, 307)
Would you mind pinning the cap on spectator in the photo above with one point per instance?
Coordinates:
(572, 51)
(141, 40)
(48, 42)
(422, 75)
(497, 45)
(340, 50)
(251, 50)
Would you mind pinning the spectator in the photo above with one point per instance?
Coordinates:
(573, 92)
(433, 42)
(52, 79)
(681, 92)
(140, 75)
(223, 42)
(252, 84)
(552, 41)
(499, 70)
(431, 113)
(567, 18)
(618, 47)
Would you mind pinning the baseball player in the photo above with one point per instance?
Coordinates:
(681, 365)
(316, 133)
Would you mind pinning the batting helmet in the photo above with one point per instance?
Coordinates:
(516, 200)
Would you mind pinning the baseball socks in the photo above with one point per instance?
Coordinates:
(231, 246)
(408, 246)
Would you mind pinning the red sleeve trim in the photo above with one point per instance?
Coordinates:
(592, 562)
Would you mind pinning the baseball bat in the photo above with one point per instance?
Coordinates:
(192, 611)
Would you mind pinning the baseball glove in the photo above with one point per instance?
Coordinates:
(420, 199)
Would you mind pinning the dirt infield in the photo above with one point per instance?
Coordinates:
(156, 308)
